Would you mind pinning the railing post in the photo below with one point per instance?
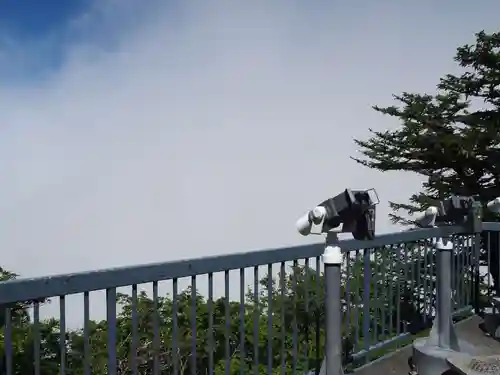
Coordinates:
(476, 226)
(444, 308)
(332, 259)
(430, 354)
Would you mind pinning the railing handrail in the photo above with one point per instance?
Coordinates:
(25, 289)
(402, 237)
(336, 285)
(491, 226)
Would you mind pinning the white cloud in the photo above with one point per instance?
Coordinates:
(220, 107)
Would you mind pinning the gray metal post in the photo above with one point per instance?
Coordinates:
(444, 308)
(332, 259)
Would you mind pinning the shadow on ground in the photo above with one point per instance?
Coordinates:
(396, 363)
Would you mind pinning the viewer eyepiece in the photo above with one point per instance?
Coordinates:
(353, 209)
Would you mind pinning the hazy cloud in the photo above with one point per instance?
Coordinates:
(232, 110)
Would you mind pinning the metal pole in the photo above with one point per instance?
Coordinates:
(475, 219)
(332, 259)
(444, 308)
(476, 246)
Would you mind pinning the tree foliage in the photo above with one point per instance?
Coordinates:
(452, 137)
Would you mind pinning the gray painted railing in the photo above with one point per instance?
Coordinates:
(269, 318)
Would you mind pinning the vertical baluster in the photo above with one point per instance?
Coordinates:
(270, 334)
(111, 320)
(211, 344)
(243, 362)
(227, 331)
(86, 334)
(36, 337)
(294, 317)
(317, 307)
(366, 302)
(156, 330)
(193, 326)
(135, 332)
(398, 287)
(62, 333)
(175, 328)
(306, 310)
(357, 302)
(283, 322)
(256, 319)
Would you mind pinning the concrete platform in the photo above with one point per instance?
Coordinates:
(464, 365)
(397, 363)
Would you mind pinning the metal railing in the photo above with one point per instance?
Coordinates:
(395, 288)
(249, 313)
(489, 260)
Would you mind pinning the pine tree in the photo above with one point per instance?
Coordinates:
(451, 137)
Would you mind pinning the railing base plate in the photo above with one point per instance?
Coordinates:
(431, 359)
(492, 325)
(322, 370)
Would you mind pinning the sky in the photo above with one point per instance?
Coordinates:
(137, 131)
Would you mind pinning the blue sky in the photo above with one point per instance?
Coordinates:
(32, 19)
(35, 35)
(31, 24)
